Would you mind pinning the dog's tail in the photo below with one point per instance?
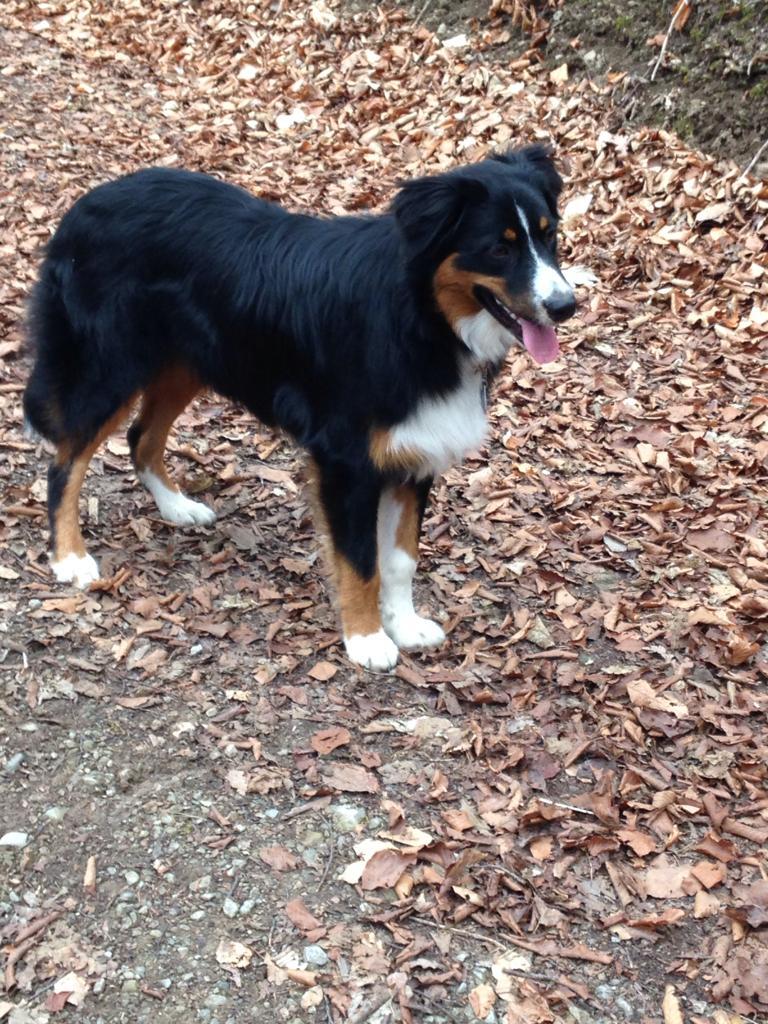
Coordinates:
(47, 338)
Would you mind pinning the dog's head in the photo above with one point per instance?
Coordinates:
(486, 235)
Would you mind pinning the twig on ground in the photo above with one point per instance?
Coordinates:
(377, 1000)
(311, 805)
(422, 12)
(675, 15)
(328, 863)
(565, 807)
(755, 158)
(25, 940)
(478, 937)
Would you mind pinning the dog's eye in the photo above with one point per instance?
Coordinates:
(500, 251)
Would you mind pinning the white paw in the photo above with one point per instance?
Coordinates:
(82, 571)
(174, 506)
(179, 509)
(374, 651)
(579, 275)
(412, 632)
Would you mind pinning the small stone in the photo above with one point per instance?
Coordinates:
(247, 906)
(132, 877)
(315, 955)
(347, 817)
(18, 840)
(197, 915)
(626, 1008)
(13, 763)
(539, 634)
(230, 908)
(312, 858)
(130, 985)
(56, 813)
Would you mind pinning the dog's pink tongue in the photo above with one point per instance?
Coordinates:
(541, 342)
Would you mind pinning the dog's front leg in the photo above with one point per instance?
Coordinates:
(349, 506)
(401, 510)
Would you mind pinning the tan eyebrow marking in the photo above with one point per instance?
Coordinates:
(544, 223)
(511, 234)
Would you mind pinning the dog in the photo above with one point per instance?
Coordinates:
(369, 339)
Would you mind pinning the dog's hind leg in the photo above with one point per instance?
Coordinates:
(401, 510)
(69, 559)
(164, 399)
(348, 508)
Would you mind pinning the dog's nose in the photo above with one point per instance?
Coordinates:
(560, 307)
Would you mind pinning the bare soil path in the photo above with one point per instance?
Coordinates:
(572, 794)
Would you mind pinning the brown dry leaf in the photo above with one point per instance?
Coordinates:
(705, 904)
(641, 843)
(709, 873)
(349, 778)
(751, 904)
(673, 915)
(323, 671)
(233, 954)
(131, 703)
(279, 858)
(711, 539)
(482, 999)
(74, 986)
(329, 739)
(384, 868)
(665, 880)
(671, 1007)
(298, 914)
(541, 848)
(559, 75)
(238, 780)
(306, 978)
(642, 695)
(89, 878)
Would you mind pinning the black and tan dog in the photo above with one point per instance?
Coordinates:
(368, 339)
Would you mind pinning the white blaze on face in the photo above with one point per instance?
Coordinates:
(548, 284)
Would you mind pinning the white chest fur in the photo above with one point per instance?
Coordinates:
(444, 429)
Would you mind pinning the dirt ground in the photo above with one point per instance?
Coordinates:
(711, 89)
(571, 797)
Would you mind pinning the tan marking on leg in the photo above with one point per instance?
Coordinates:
(511, 234)
(165, 398)
(385, 457)
(543, 223)
(67, 536)
(358, 599)
(407, 534)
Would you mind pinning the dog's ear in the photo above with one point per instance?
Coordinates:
(538, 158)
(429, 211)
